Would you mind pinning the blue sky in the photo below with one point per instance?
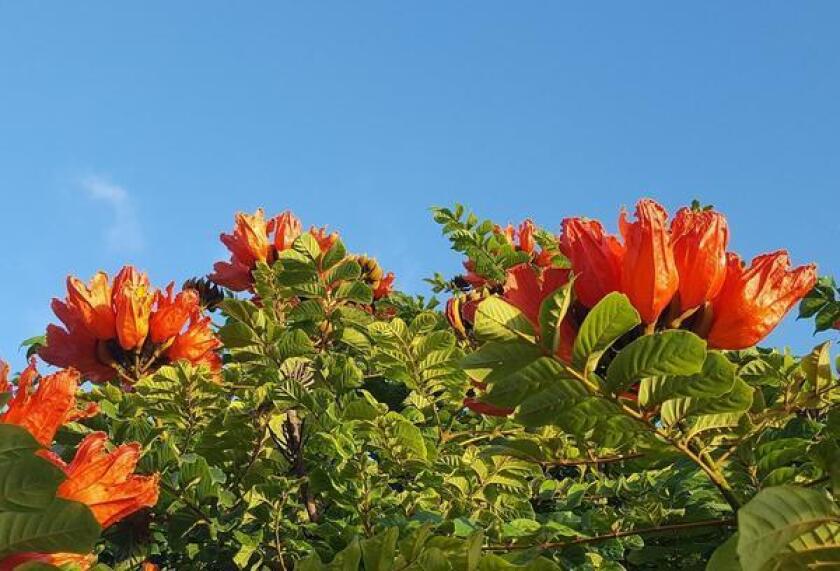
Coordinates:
(133, 132)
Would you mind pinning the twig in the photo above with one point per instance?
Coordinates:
(613, 535)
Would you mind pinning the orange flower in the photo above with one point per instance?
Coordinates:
(595, 257)
(172, 313)
(232, 275)
(526, 290)
(648, 272)
(146, 322)
(384, 287)
(92, 304)
(525, 234)
(325, 241)
(47, 408)
(133, 299)
(286, 228)
(486, 409)
(195, 343)
(255, 240)
(83, 562)
(699, 238)
(74, 346)
(753, 300)
(249, 241)
(105, 481)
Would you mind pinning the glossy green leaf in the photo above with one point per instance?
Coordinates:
(611, 318)
(774, 518)
(667, 353)
(497, 320)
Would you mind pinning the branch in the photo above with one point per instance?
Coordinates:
(583, 461)
(293, 426)
(192, 507)
(728, 522)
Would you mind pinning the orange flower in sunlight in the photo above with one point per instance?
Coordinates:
(286, 228)
(249, 242)
(384, 287)
(753, 300)
(132, 302)
(196, 343)
(256, 240)
(676, 275)
(325, 240)
(648, 272)
(699, 239)
(144, 324)
(105, 481)
(172, 313)
(595, 257)
(45, 409)
(93, 304)
(526, 289)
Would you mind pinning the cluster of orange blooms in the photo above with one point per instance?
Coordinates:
(256, 239)
(127, 329)
(103, 480)
(677, 275)
(124, 329)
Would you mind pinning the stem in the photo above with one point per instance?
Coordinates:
(192, 507)
(584, 461)
(616, 534)
(718, 479)
(294, 437)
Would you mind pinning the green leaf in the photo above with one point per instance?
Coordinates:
(512, 389)
(552, 311)
(551, 404)
(716, 378)
(237, 335)
(334, 255)
(817, 367)
(294, 343)
(62, 526)
(611, 318)
(667, 353)
(497, 320)
(737, 400)
(725, 557)
(355, 291)
(378, 551)
(496, 360)
(307, 245)
(27, 482)
(348, 270)
(774, 518)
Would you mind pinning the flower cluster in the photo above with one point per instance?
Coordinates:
(677, 275)
(127, 329)
(104, 481)
(255, 239)
(682, 275)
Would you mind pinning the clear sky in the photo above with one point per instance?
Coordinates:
(131, 132)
